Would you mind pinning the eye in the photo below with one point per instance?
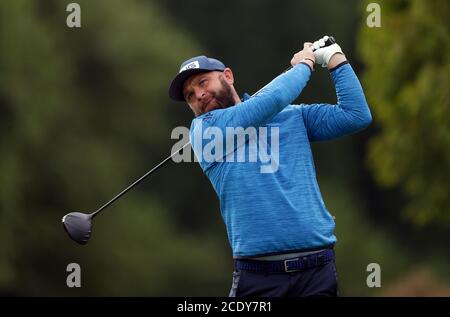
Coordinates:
(202, 82)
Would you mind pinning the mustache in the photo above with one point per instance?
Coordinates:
(223, 98)
(208, 101)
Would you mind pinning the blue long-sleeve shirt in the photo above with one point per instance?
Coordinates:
(274, 205)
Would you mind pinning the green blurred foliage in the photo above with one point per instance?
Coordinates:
(360, 242)
(83, 111)
(407, 80)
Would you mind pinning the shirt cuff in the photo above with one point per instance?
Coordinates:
(336, 67)
(307, 65)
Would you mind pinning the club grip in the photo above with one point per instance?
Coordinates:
(328, 42)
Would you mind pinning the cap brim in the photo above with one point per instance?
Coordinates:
(176, 87)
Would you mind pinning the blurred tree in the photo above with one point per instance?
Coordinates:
(82, 114)
(406, 80)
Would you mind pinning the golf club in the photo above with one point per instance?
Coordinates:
(79, 225)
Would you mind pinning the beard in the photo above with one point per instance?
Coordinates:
(223, 97)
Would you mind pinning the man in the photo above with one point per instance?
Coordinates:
(279, 229)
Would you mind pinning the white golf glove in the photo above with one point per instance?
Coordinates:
(324, 54)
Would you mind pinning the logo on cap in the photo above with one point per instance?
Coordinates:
(192, 65)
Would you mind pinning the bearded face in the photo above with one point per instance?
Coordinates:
(205, 92)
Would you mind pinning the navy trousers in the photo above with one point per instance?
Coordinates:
(317, 281)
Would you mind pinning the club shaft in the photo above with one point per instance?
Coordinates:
(139, 180)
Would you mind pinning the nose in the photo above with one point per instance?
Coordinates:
(199, 94)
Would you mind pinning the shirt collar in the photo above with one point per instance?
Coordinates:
(245, 97)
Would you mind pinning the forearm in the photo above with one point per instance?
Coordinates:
(335, 60)
(350, 95)
(349, 115)
(273, 98)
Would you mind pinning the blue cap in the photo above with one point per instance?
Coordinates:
(199, 64)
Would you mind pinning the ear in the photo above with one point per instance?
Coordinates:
(228, 74)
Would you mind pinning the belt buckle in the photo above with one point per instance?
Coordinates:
(286, 269)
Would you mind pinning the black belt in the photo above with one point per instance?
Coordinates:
(289, 265)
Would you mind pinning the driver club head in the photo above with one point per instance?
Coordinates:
(78, 226)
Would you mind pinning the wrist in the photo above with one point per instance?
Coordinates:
(335, 60)
(308, 61)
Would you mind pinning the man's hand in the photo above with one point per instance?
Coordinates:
(306, 55)
(324, 54)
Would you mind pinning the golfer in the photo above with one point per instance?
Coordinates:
(279, 229)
